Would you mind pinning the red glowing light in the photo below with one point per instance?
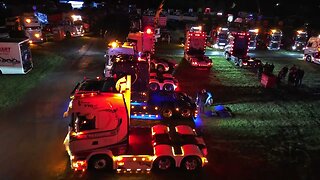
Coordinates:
(149, 31)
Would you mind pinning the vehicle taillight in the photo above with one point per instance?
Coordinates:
(79, 165)
(205, 151)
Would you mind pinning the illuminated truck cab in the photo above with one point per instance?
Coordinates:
(100, 136)
(195, 47)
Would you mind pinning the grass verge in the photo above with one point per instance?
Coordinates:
(13, 87)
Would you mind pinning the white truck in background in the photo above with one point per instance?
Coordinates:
(312, 50)
(15, 56)
(26, 24)
(116, 48)
(68, 24)
(275, 38)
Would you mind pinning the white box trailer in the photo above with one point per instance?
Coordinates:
(312, 50)
(15, 56)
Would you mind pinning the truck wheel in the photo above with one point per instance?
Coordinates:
(0, 72)
(163, 163)
(152, 66)
(191, 163)
(154, 86)
(100, 163)
(167, 112)
(185, 113)
(160, 68)
(168, 87)
(308, 58)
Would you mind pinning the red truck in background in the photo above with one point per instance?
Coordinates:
(67, 24)
(237, 50)
(195, 48)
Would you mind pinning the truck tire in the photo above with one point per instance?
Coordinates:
(100, 163)
(168, 87)
(166, 112)
(163, 163)
(154, 86)
(186, 113)
(0, 72)
(191, 163)
(160, 68)
(308, 58)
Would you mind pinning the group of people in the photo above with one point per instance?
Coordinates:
(295, 75)
(266, 68)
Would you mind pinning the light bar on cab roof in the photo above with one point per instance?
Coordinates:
(149, 31)
(28, 20)
(254, 30)
(146, 116)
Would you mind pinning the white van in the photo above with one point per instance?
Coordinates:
(15, 56)
(312, 50)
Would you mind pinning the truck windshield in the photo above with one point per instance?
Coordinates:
(253, 37)
(34, 28)
(301, 38)
(276, 38)
(240, 46)
(78, 23)
(107, 85)
(222, 36)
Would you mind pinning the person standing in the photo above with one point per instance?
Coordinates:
(300, 74)
(201, 100)
(292, 75)
(282, 74)
(260, 70)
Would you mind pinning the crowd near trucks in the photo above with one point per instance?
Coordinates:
(26, 25)
(312, 50)
(195, 48)
(100, 136)
(15, 56)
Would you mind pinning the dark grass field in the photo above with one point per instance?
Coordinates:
(274, 132)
